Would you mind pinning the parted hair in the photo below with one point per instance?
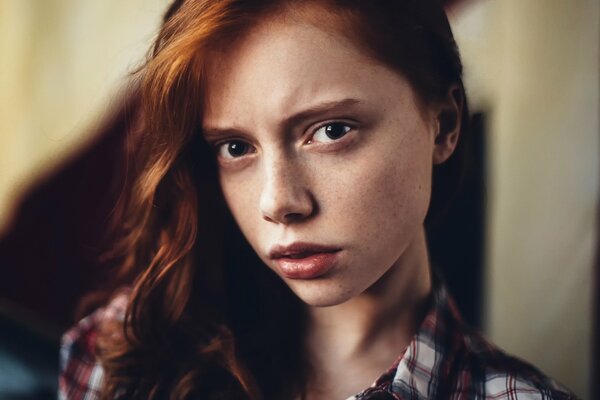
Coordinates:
(205, 319)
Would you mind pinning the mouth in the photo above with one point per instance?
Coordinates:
(304, 260)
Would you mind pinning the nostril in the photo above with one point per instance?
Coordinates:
(286, 219)
(268, 219)
(292, 217)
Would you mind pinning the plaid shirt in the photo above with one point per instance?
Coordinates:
(445, 360)
(81, 375)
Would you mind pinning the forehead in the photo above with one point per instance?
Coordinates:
(286, 62)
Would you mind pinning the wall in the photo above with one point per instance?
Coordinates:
(62, 63)
(533, 66)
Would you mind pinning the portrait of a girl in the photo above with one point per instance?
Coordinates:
(272, 235)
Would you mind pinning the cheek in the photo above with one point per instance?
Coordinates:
(241, 194)
(383, 195)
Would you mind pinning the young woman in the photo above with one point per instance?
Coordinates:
(274, 239)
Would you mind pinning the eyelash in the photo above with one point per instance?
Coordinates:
(330, 124)
(224, 146)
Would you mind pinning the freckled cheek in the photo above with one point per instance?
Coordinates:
(379, 200)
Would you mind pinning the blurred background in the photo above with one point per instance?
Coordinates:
(524, 236)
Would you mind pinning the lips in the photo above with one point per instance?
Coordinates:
(304, 260)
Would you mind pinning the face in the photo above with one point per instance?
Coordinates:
(325, 157)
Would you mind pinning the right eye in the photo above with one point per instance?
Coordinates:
(233, 149)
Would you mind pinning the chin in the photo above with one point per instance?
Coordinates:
(320, 294)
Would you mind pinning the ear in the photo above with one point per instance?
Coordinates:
(449, 119)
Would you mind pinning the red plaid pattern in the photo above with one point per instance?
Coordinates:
(445, 360)
(448, 360)
(81, 375)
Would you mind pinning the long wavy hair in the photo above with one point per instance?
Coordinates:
(205, 318)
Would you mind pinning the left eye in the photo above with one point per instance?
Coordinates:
(330, 132)
(233, 149)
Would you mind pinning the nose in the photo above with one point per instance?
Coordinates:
(285, 196)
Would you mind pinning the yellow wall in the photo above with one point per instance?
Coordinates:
(533, 66)
(61, 63)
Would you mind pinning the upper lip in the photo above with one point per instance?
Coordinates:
(299, 249)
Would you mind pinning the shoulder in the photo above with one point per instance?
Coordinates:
(487, 372)
(81, 374)
(448, 359)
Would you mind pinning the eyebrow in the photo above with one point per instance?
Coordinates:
(315, 111)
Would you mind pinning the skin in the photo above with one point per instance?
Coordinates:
(366, 193)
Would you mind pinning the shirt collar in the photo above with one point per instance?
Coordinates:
(419, 372)
(428, 357)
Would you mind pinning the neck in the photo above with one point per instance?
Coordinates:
(371, 329)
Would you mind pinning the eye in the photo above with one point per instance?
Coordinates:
(330, 132)
(233, 149)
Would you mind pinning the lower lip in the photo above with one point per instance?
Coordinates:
(310, 267)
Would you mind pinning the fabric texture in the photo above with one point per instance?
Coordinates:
(81, 375)
(446, 359)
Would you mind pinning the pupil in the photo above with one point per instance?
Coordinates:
(237, 149)
(335, 131)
